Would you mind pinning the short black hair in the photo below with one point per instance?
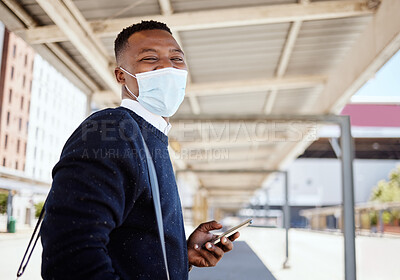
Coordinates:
(121, 41)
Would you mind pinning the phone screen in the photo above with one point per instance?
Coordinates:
(233, 230)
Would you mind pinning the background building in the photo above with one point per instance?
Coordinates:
(57, 108)
(15, 92)
(39, 109)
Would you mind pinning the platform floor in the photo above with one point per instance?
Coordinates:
(241, 263)
(259, 254)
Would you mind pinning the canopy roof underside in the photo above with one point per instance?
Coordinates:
(255, 57)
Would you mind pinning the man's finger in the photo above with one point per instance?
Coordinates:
(209, 258)
(208, 226)
(234, 237)
(226, 245)
(218, 252)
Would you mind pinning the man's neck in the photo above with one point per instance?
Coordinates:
(125, 96)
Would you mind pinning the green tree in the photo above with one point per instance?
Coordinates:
(38, 208)
(388, 191)
(3, 202)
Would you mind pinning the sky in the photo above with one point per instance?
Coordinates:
(386, 81)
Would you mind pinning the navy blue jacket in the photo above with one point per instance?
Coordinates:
(100, 221)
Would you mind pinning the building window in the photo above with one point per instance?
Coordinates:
(8, 118)
(22, 102)
(16, 165)
(27, 126)
(20, 124)
(18, 144)
(23, 81)
(10, 96)
(5, 142)
(14, 50)
(25, 151)
(4, 161)
(12, 72)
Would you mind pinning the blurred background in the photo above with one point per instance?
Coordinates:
(261, 133)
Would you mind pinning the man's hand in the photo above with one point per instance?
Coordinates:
(209, 254)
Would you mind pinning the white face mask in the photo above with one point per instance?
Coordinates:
(160, 91)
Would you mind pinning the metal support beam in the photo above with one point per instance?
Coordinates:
(346, 143)
(336, 147)
(269, 103)
(256, 85)
(288, 49)
(220, 118)
(220, 18)
(286, 211)
(283, 63)
(347, 149)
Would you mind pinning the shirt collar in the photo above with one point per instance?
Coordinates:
(157, 121)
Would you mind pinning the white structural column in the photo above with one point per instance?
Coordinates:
(71, 27)
(283, 63)
(219, 18)
(379, 41)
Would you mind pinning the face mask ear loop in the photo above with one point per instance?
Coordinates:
(129, 91)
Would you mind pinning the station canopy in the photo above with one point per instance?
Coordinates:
(250, 62)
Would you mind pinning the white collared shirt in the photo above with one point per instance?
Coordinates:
(157, 121)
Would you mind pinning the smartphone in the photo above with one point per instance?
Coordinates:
(232, 231)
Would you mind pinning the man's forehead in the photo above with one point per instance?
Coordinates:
(151, 39)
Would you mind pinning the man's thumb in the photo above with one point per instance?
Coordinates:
(208, 226)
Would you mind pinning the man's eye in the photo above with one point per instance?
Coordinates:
(177, 59)
(149, 59)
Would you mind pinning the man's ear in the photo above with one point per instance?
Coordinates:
(119, 75)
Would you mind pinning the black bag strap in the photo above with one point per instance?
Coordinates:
(157, 204)
(29, 251)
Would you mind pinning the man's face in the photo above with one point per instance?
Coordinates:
(147, 51)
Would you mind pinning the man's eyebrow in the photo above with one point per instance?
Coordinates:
(177, 50)
(146, 50)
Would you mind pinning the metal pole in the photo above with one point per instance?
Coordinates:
(286, 211)
(346, 143)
